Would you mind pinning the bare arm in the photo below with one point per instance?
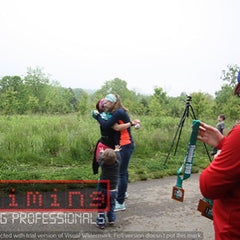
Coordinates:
(120, 127)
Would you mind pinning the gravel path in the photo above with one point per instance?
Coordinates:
(150, 210)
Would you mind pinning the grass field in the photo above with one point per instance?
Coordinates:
(61, 147)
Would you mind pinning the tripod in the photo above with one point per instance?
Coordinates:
(177, 135)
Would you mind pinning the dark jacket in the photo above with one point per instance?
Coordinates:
(110, 172)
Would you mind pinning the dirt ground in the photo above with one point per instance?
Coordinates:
(150, 208)
(150, 214)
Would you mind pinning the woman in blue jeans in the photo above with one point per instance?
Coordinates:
(123, 138)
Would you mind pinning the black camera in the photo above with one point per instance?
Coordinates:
(189, 98)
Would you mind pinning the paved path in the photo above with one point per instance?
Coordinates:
(150, 210)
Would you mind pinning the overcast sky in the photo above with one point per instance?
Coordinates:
(179, 45)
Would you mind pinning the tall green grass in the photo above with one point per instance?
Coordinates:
(61, 147)
(47, 147)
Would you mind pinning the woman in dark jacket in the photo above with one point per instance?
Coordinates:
(123, 138)
(107, 135)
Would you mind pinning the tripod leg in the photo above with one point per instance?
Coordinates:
(178, 133)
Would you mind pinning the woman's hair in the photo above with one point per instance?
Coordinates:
(118, 104)
(99, 105)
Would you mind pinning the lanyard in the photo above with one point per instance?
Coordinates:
(185, 170)
(188, 160)
(205, 205)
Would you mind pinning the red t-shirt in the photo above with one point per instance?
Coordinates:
(220, 181)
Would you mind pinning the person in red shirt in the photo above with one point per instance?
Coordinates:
(220, 181)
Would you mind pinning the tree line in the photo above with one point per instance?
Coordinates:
(35, 93)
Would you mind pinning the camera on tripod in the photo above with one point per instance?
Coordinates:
(189, 98)
(187, 111)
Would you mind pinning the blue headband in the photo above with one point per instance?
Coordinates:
(111, 98)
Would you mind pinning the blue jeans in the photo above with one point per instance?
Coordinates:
(101, 219)
(126, 152)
